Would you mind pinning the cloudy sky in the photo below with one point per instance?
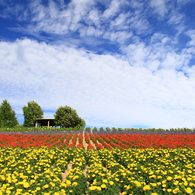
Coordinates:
(119, 63)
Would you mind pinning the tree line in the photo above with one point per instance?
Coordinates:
(65, 116)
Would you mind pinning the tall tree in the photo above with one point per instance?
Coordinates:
(7, 115)
(66, 116)
(31, 113)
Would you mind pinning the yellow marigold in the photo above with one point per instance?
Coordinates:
(98, 188)
(45, 186)
(153, 184)
(75, 177)
(56, 193)
(92, 188)
(188, 190)
(175, 191)
(169, 190)
(152, 176)
(26, 184)
(169, 178)
(154, 193)
(103, 186)
(105, 181)
(68, 182)
(128, 187)
(138, 184)
(146, 188)
(63, 185)
(74, 184)
(111, 183)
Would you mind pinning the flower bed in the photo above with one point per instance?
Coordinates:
(102, 164)
(101, 141)
(131, 171)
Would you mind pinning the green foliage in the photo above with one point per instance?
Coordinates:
(108, 129)
(114, 129)
(101, 129)
(7, 115)
(95, 129)
(31, 113)
(67, 117)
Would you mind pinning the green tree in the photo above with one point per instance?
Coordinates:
(7, 115)
(31, 113)
(66, 116)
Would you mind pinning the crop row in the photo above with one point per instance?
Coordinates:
(73, 171)
(95, 129)
(91, 141)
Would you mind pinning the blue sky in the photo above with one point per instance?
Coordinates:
(119, 63)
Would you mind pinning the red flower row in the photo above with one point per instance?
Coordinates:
(91, 141)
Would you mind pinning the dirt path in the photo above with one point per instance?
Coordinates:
(92, 143)
(84, 142)
(65, 174)
(77, 142)
(85, 170)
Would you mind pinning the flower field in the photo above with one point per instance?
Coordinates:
(97, 164)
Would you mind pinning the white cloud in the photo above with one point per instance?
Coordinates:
(94, 18)
(159, 7)
(176, 18)
(102, 88)
(191, 34)
(113, 9)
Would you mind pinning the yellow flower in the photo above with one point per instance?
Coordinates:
(169, 178)
(74, 184)
(146, 187)
(105, 181)
(92, 188)
(111, 183)
(63, 185)
(26, 185)
(98, 188)
(175, 191)
(154, 193)
(8, 192)
(138, 184)
(52, 184)
(103, 186)
(45, 186)
(188, 190)
(127, 187)
(176, 182)
(153, 184)
(68, 182)
(152, 176)
(75, 177)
